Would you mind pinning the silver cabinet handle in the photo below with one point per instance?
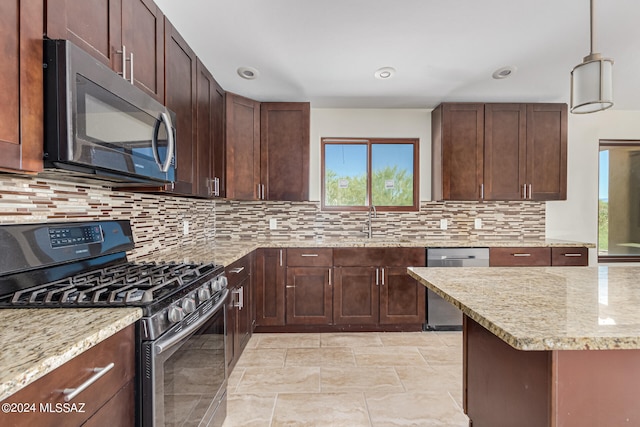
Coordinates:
(216, 187)
(71, 393)
(377, 277)
(280, 257)
(329, 277)
(240, 298)
(236, 270)
(524, 191)
(131, 67)
(529, 191)
(309, 255)
(382, 282)
(573, 255)
(521, 255)
(482, 191)
(123, 52)
(263, 196)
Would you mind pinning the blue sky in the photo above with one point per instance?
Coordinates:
(603, 186)
(351, 159)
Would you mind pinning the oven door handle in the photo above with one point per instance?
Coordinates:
(163, 345)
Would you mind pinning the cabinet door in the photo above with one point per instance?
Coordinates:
(21, 85)
(206, 87)
(547, 151)
(243, 148)
(309, 296)
(402, 298)
(284, 150)
(269, 287)
(458, 148)
(356, 299)
(181, 98)
(218, 162)
(231, 347)
(143, 37)
(505, 151)
(93, 25)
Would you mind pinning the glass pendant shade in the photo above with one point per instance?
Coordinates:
(592, 85)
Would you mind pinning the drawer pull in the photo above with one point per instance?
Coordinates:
(236, 270)
(573, 255)
(71, 393)
(309, 255)
(521, 255)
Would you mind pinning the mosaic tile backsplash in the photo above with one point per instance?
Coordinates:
(157, 220)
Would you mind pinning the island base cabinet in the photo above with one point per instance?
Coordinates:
(504, 386)
(108, 400)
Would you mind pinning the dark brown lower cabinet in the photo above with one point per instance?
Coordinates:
(239, 314)
(107, 401)
(356, 297)
(309, 296)
(270, 276)
(401, 298)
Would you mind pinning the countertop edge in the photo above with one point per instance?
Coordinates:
(533, 344)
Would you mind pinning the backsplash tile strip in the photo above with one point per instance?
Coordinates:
(157, 219)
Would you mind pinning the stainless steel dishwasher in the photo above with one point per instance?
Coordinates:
(442, 315)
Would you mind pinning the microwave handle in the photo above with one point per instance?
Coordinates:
(164, 167)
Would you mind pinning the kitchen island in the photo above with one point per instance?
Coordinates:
(546, 346)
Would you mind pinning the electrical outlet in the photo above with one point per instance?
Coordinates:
(477, 223)
(273, 223)
(443, 224)
(185, 228)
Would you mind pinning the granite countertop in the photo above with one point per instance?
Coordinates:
(34, 341)
(226, 252)
(546, 308)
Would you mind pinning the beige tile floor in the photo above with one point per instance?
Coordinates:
(348, 379)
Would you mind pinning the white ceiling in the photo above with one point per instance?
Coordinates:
(326, 51)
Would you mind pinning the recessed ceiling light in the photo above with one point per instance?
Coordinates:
(385, 73)
(504, 72)
(248, 73)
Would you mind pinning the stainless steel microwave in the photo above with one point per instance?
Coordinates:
(101, 127)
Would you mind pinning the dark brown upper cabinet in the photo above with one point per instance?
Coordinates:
(209, 135)
(181, 75)
(242, 148)
(126, 35)
(499, 151)
(284, 150)
(21, 127)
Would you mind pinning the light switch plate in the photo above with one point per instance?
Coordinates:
(443, 224)
(477, 223)
(185, 228)
(273, 223)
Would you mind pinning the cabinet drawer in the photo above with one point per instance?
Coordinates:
(309, 257)
(390, 257)
(238, 271)
(48, 390)
(519, 257)
(569, 256)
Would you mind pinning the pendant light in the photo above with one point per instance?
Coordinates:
(591, 81)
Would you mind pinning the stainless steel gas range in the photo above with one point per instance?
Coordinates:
(180, 339)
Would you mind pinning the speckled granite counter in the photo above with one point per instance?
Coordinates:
(37, 341)
(226, 252)
(550, 308)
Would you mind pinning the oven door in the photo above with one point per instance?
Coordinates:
(183, 372)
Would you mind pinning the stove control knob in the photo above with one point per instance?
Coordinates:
(189, 305)
(204, 294)
(220, 283)
(175, 314)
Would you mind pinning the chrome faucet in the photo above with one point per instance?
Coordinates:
(367, 227)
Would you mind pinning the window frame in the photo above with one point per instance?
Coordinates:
(613, 143)
(369, 142)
